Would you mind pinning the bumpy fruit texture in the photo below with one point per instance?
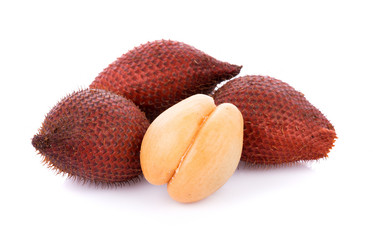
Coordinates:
(281, 126)
(159, 74)
(94, 136)
(193, 147)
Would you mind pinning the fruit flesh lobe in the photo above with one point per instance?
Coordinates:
(207, 165)
(159, 163)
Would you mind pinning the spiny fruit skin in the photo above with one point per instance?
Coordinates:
(94, 136)
(161, 73)
(281, 126)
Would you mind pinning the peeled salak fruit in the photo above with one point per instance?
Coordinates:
(159, 74)
(194, 147)
(93, 136)
(280, 125)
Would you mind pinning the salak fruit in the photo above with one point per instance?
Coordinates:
(159, 74)
(194, 147)
(94, 136)
(281, 126)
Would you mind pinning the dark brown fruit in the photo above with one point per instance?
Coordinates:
(159, 74)
(280, 125)
(94, 136)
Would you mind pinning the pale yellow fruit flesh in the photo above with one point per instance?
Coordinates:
(212, 158)
(193, 146)
(170, 135)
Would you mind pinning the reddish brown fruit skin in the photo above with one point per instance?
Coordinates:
(94, 136)
(159, 74)
(280, 125)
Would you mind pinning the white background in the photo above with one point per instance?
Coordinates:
(322, 48)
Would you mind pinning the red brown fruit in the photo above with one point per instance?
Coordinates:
(159, 74)
(94, 136)
(280, 125)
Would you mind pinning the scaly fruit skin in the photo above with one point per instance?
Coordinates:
(159, 74)
(281, 126)
(94, 136)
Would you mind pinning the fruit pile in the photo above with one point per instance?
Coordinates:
(154, 112)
